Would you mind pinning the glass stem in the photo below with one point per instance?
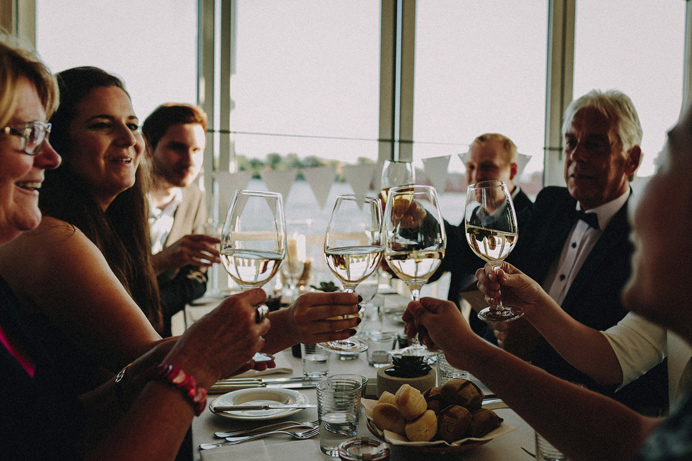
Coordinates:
(415, 296)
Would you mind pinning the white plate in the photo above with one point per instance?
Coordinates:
(259, 397)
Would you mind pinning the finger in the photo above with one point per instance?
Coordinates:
(253, 296)
(324, 312)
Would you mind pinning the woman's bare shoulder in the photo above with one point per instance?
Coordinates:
(52, 238)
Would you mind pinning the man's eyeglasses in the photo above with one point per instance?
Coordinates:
(33, 135)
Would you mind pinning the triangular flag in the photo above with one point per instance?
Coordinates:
(522, 160)
(321, 180)
(436, 170)
(279, 180)
(360, 177)
(228, 182)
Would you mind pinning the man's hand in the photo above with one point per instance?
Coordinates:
(191, 250)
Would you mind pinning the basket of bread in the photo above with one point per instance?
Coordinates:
(443, 419)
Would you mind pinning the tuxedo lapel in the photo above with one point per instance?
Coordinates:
(612, 238)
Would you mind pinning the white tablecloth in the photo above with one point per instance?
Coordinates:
(506, 447)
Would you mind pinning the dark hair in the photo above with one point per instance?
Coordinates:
(122, 231)
(166, 115)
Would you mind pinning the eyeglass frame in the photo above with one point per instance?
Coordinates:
(25, 134)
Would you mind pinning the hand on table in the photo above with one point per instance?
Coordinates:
(194, 249)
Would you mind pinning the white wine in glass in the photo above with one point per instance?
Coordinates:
(396, 173)
(253, 240)
(415, 240)
(491, 232)
(353, 250)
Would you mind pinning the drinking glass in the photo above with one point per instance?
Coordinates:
(353, 250)
(253, 239)
(338, 409)
(396, 173)
(415, 240)
(294, 267)
(491, 231)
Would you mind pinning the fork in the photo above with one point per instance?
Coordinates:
(302, 435)
(281, 425)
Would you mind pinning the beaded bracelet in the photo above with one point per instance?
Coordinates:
(175, 376)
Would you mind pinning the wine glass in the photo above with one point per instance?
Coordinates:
(415, 240)
(491, 231)
(253, 239)
(353, 250)
(396, 173)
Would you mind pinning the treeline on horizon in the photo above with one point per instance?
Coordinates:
(292, 161)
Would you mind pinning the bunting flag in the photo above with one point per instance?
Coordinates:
(522, 160)
(279, 181)
(436, 170)
(229, 182)
(320, 180)
(360, 177)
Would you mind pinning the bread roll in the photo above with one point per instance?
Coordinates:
(462, 392)
(387, 397)
(483, 421)
(435, 401)
(453, 422)
(410, 402)
(422, 429)
(388, 418)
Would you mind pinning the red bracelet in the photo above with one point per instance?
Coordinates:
(175, 376)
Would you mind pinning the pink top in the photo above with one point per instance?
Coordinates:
(18, 354)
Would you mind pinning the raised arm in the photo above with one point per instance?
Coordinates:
(55, 269)
(313, 318)
(580, 423)
(214, 347)
(583, 347)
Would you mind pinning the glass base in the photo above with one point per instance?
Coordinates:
(417, 350)
(346, 349)
(493, 314)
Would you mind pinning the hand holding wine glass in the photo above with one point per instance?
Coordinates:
(415, 240)
(353, 248)
(491, 231)
(394, 174)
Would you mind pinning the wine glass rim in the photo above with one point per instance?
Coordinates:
(487, 184)
(258, 192)
(354, 197)
(405, 187)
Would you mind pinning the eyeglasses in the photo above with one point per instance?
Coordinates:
(33, 135)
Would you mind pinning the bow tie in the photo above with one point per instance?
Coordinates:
(589, 218)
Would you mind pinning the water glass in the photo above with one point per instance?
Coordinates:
(546, 452)
(445, 371)
(379, 346)
(338, 408)
(315, 361)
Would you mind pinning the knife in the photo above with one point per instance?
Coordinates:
(277, 406)
(222, 388)
(267, 380)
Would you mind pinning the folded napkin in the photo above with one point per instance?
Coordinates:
(267, 372)
(255, 451)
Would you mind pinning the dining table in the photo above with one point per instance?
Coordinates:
(518, 444)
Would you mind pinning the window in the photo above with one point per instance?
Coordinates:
(637, 48)
(151, 45)
(479, 67)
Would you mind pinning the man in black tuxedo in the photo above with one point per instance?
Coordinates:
(490, 156)
(582, 265)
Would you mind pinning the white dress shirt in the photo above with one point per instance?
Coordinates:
(578, 245)
(161, 221)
